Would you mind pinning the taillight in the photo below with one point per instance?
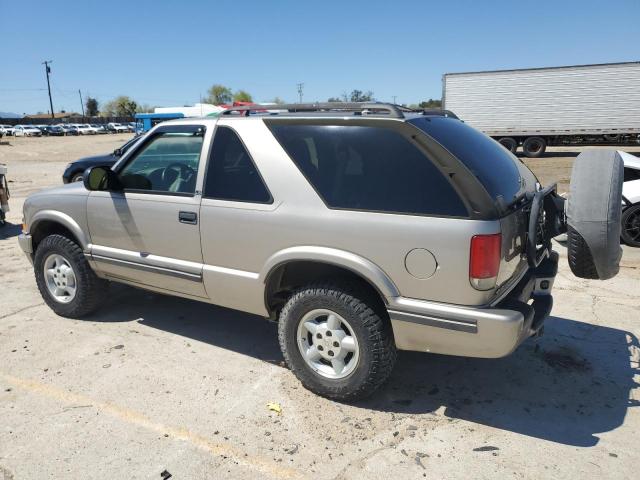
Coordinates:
(484, 260)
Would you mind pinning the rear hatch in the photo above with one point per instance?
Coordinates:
(508, 182)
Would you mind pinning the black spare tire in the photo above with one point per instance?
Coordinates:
(593, 214)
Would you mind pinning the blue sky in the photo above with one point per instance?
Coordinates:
(170, 52)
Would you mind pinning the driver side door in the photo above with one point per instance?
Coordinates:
(149, 233)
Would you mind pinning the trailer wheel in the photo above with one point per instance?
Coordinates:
(509, 143)
(593, 214)
(534, 147)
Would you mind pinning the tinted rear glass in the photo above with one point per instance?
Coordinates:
(497, 169)
(369, 168)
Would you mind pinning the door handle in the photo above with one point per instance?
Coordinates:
(188, 217)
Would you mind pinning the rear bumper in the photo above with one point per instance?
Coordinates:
(487, 332)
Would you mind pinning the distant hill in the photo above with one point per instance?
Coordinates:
(9, 115)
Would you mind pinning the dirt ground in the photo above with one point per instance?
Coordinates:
(153, 383)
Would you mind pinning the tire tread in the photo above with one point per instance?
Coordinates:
(579, 255)
(91, 290)
(379, 332)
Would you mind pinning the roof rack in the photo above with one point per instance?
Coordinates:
(358, 108)
(437, 111)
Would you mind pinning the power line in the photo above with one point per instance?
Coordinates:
(47, 70)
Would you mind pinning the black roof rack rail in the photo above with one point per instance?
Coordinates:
(367, 108)
(437, 111)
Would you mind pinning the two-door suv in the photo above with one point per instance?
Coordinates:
(362, 229)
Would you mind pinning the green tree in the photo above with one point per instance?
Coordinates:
(431, 103)
(354, 96)
(242, 96)
(121, 106)
(91, 107)
(359, 96)
(219, 94)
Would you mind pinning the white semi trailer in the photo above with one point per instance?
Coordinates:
(536, 107)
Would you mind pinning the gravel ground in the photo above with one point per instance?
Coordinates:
(153, 383)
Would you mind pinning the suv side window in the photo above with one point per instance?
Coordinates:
(368, 168)
(166, 163)
(232, 174)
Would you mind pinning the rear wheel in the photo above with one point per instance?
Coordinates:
(337, 341)
(631, 226)
(534, 147)
(77, 177)
(509, 143)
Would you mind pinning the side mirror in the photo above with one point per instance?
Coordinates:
(101, 179)
(117, 152)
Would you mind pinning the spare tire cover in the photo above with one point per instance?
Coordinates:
(595, 206)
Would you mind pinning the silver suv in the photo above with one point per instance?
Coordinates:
(361, 229)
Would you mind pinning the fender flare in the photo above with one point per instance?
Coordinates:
(357, 264)
(62, 219)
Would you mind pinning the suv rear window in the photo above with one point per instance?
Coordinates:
(368, 168)
(499, 171)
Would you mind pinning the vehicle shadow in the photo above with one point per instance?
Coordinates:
(9, 230)
(567, 387)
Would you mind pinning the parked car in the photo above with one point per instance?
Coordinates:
(117, 128)
(84, 129)
(74, 170)
(360, 228)
(99, 128)
(131, 126)
(8, 129)
(53, 131)
(26, 131)
(68, 129)
(631, 198)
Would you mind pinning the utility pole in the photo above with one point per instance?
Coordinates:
(47, 69)
(394, 99)
(300, 87)
(81, 104)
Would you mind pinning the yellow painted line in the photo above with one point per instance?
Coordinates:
(133, 417)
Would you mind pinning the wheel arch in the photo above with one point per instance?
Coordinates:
(48, 222)
(296, 266)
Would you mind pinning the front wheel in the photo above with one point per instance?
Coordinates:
(336, 341)
(65, 280)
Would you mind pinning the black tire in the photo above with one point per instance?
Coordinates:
(630, 232)
(370, 326)
(580, 258)
(509, 143)
(534, 147)
(77, 177)
(91, 290)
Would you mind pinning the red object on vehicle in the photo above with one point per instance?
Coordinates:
(484, 260)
